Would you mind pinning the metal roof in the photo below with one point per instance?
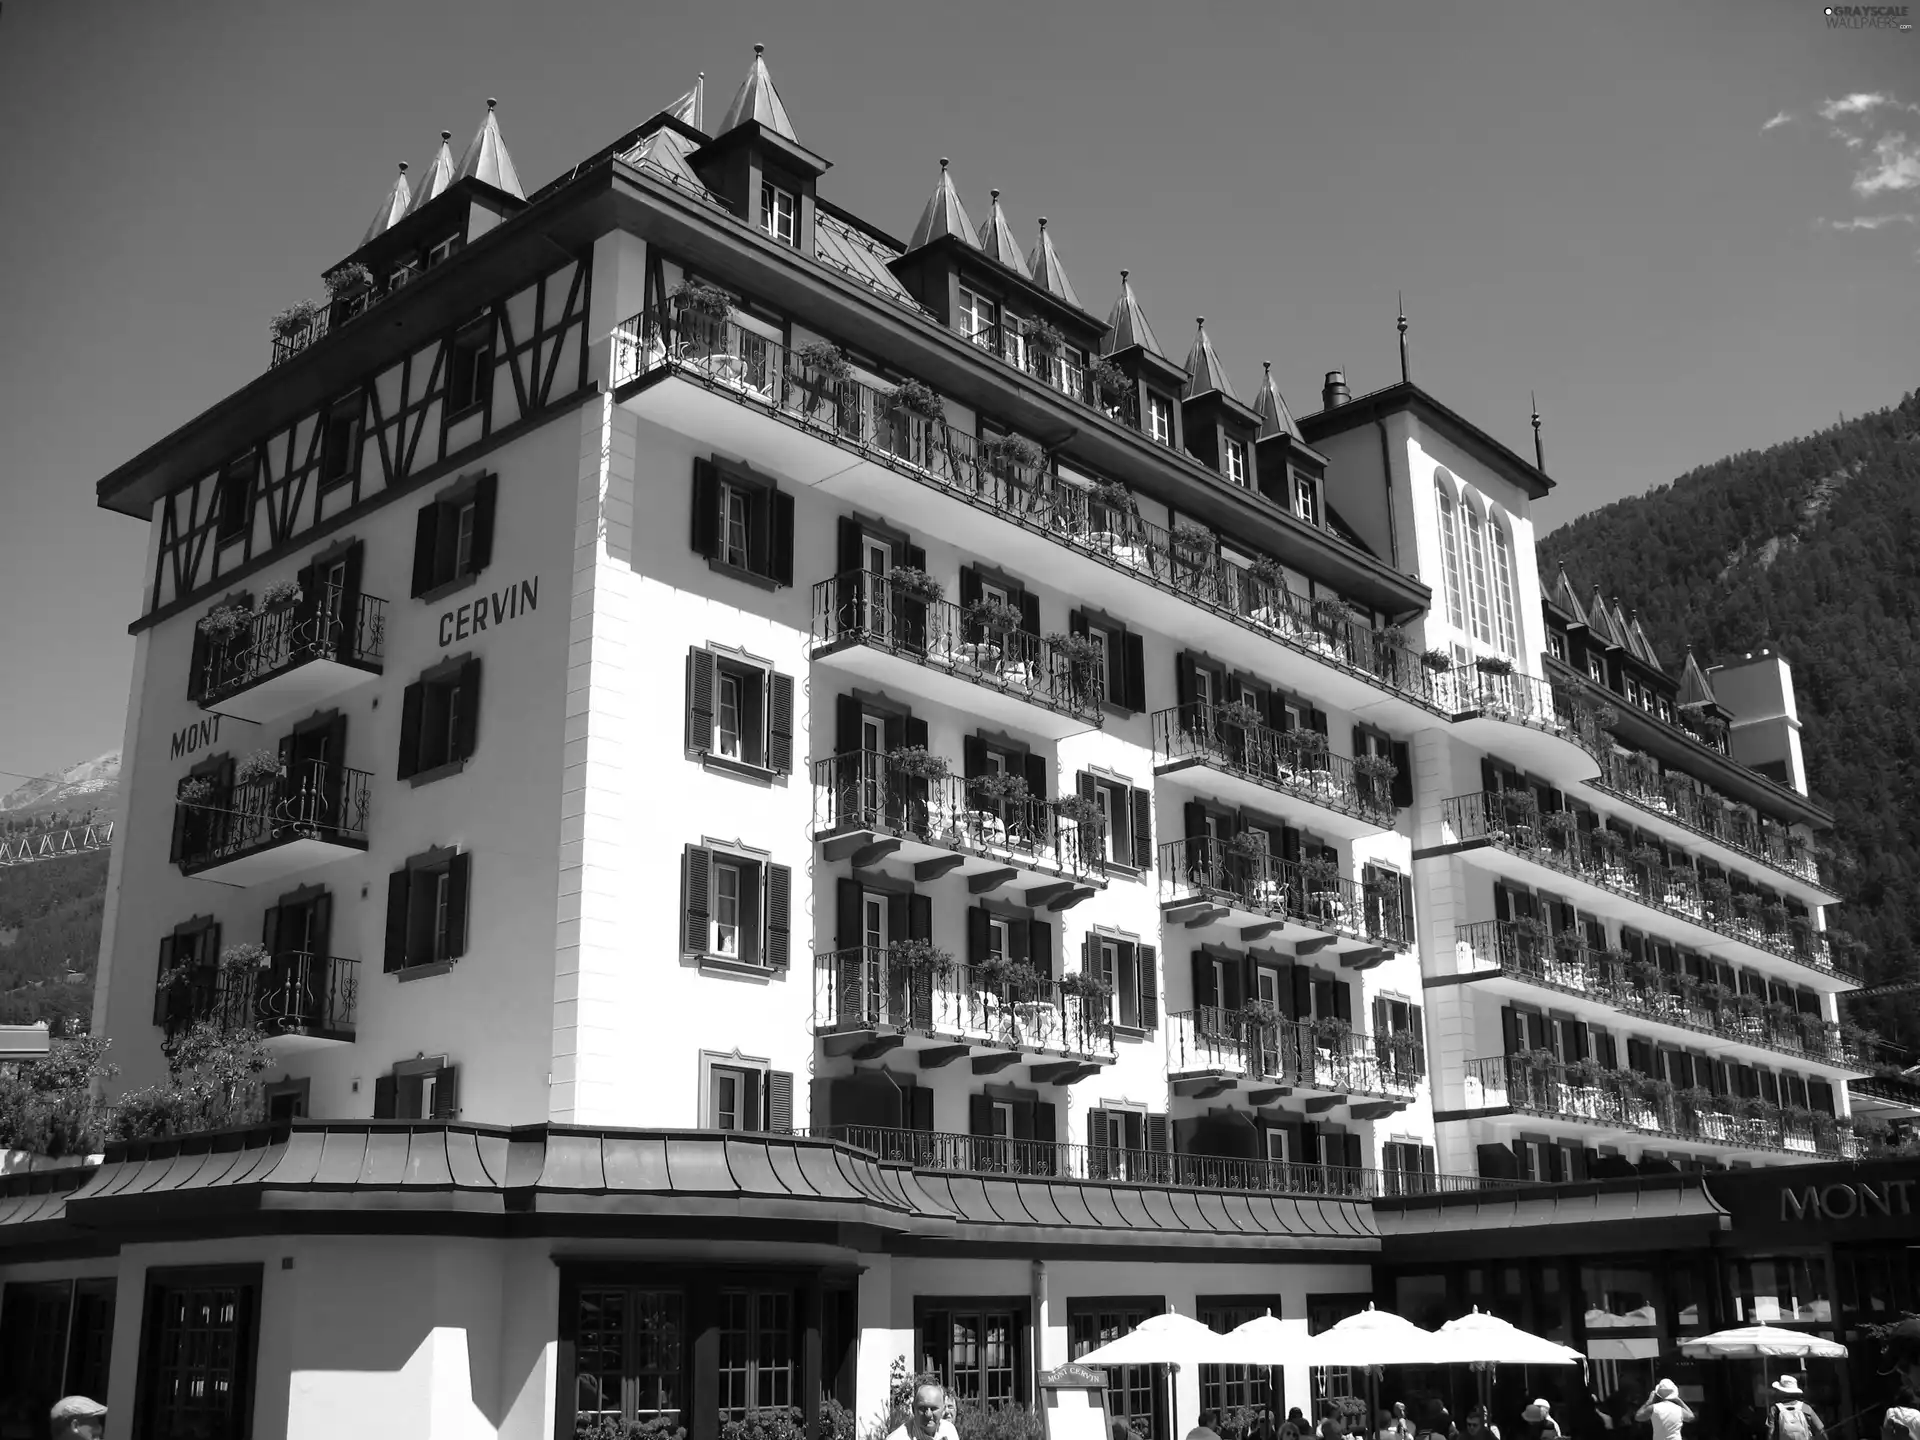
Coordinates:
(1638, 642)
(1582, 1216)
(944, 215)
(393, 206)
(1561, 594)
(857, 253)
(1600, 620)
(1045, 267)
(666, 151)
(487, 159)
(1271, 406)
(756, 99)
(1127, 325)
(439, 175)
(998, 242)
(1204, 371)
(1694, 687)
(691, 108)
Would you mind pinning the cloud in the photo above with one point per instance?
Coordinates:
(1869, 222)
(1776, 122)
(1862, 103)
(1895, 166)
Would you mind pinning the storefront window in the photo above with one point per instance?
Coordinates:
(1132, 1390)
(1422, 1299)
(627, 1353)
(1550, 1305)
(756, 1351)
(1618, 1297)
(1872, 1284)
(1688, 1288)
(1789, 1289)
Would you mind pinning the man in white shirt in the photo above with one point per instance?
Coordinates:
(926, 1416)
(1665, 1410)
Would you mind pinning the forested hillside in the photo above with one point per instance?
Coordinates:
(1813, 548)
(50, 925)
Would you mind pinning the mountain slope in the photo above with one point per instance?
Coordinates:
(50, 910)
(1812, 548)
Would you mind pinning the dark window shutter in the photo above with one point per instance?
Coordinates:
(1186, 685)
(467, 732)
(179, 841)
(386, 1098)
(973, 756)
(160, 994)
(1351, 1145)
(1510, 1030)
(1317, 720)
(485, 493)
(1406, 908)
(699, 700)
(1302, 992)
(395, 957)
(1029, 612)
(969, 585)
(1820, 1096)
(1157, 1132)
(1045, 1122)
(779, 886)
(446, 1093)
(846, 724)
(1096, 1128)
(695, 874)
(976, 936)
(1133, 674)
(706, 509)
(270, 929)
(1359, 742)
(1017, 937)
(1040, 947)
(780, 723)
(459, 888)
(1502, 905)
(846, 913)
(412, 702)
(1143, 829)
(850, 557)
(1023, 1119)
(424, 554)
(979, 1115)
(920, 917)
(1148, 959)
(1402, 755)
(1206, 990)
(1195, 815)
(1380, 1027)
(1037, 775)
(780, 1101)
(920, 1109)
(781, 571)
(1083, 785)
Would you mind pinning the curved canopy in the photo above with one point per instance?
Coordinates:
(1482, 1339)
(1266, 1340)
(1761, 1342)
(1168, 1339)
(1376, 1337)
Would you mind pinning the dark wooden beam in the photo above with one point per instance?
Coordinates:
(1363, 959)
(1202, 1087)
(1314, 945)
(940, 865)
(878, 1046)
(846, 1042)
(1176, 910)
(876, 852)
(1062, 1072)
(1251, 933)
(1257, 1098)
(994, 1064)
(841, 846)
(1040, 895)
(1072, 898)
(988, 880)
(1207, 917)
(1317, 1104)
(1374, 1109)
(941, 1055)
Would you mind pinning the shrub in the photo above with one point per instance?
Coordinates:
(1112, 384)
(995, 616)
(1080, 810)
(280, 592)
(295, 318)
(1375, 767)
(919, 762)
(1003, 1421)
(916, 398)
(827, 361)
(348, 277)
(1082, 982)
(248, 955)
(920, 955)
(998, 452)
(1493, 665)
(260, 765)
(1001, 787)
(1438, 661)
(223, 622)
(914, 584)
(52, 1107)
(213, 1085)
(697, 297)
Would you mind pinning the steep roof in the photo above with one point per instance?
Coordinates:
(1204, 370)
(944, 215)
(665, 152)
(1694, 689)
(1640, 644)
(393, 206)
(1271, 406)
(439, 175)
(1045, 267)
(487, 159)
(998, 242)
(1561, 594)
(852, 251)
(691, 108)
(1127, 325)
(1600, 620)
(756, 99)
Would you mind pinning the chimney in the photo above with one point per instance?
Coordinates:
(1334, 392)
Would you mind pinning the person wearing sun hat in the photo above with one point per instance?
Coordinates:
(78, 1418)
(1537, 1422)
(1790, 1417)
(1665, 1410)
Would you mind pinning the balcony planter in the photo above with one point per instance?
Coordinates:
(913, 584)
(1438, 661)
(995, 617)
(1586, 1072)
(1085, 985)
(1647, 858)
(258, 766)
(920, 957)
(915, 398)
(1240, 715)
(1775, 914)
(1321, 876)
(1001, 453)
(1015, 976)
(1000, 788)
(1568, 947)
(1800, 930)
(1080, 811)
(1250, 844)
(1329, 1030)
(701, 300)
(1083, 658)
(347, 279)
(918, 762)
(1493, 665)
(1746, 905)
(1262, 1012)
(296, 319)
(225, 622)
(245, 958)
(194, 791)
(1560, 824)
(280, 594)
(1113, 386)
(1046, 339)
(1374, 767)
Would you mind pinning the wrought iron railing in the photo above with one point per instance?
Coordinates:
(1201, 867)
(331, 317)
(1100, 523)
(1514, 820)
(944, 1153)
(1296, 762)
(1564, 962)
(1304, 1054)
(312, 799)
(1628, 1100)
(1893, 1090)
(1638, 779)
(1547, 705)
(856, 607)
(293, 992)
(870, 790)
(333, 625)
(865, 987)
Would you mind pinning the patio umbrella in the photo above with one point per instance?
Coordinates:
(1482, 1339)
(1168, 1339)
(1375, 1337)
(1264, 1342)
(1761, 1342)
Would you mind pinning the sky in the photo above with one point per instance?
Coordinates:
(1691, 230)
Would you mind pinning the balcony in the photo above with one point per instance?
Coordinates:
(1216, 750)
(792, 418)
(276, 825)
(1508, 833)
(869, 1000)
(869, 807)
(869, 626)
(1540, 724)
(1517, 957)
(292, 657)
(1206, 882)
(301, 331)
(1211, 1051)
(297, 999)
(949, 1154)
(1626, 1103)
(1884, 1097)
(1677, 807)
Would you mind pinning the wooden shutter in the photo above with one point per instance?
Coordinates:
(780, 1101)
(398, 884)
(1142, 801)
(270, 929)
(780, 723)
(979, 1115)
(1046, 1122)
(976, 935)
(485, 493)
(1036, 769)
(1302, 992)
(781, 541)
(412, 703)
(1019, 938)
(467, 732)
(779, 887)
(459, 888)
(1381, 1029)
(425, 553)
(1096, 1128)
(161, 993)
(1133, 672)
(1343, 999)
(1195, 815)
(846, 913)
(699, 700)
(386, 1098)
(1512, 1036)
(849, 534)
(1353, 1159)
(1186, 683)
(696, 870)
(1206, 990)
(1029, 612)
(1402, 756)
(973, 756)
(919, 917)
(706, 509)
(1147, 958)
(920, 1109)
(1040, 947)
(1023, 1119)
(1157, 1132)
(446, 1093)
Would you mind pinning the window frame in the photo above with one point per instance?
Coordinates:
(1159, 419)
(762, 898)
(471, 347)
(765, 559)
(772, 1089)
(765, 719)
(350, 411)
(1019, 1311)
(440, 721)
(416, 888)
(439, 568)
(1122, 1380)
(770, 212)
(233, 517)
(160, 1281)
(1234, 461)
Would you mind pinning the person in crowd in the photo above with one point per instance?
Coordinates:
(1790, 1417)
(1665, 1411)
(1396, 1425)
(1208, 1428)
(1295, 1426)
(79, 1418)
(1478, 1426)
(1537, 1422)
(926, 1419)
(1902, 1421)
(1439, 1424)
(1331, 1428)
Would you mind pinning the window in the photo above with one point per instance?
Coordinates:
(288, 1099)
(1409, 1167)
(976, 1347)
(470, 369)
(628, 1353)
(756, 1352)
(425, 1089)
(340, 442)
(1236, 457)
(779, 213)
(453, 537)
(1557, 645)
(1127, 814)
(1224, 1387)
(186, 984)
(427, 910)
(1071, 375)
(1131, 971)
(1159, 419)
(739, 710)
(1597, 668)
(442, 251)
(197, 1352)
(734, 907)
(1479, 589)
(742, 523)
(439, 720)
(978, 317)
(1451, 566)
(1306, 497)
(1505, 636)
(54, 1340)
(745, 1095)
(1122, 654)
(233, 507)
(1133, 1391)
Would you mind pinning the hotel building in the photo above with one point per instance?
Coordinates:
(789, 799)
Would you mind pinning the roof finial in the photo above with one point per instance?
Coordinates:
(1199, 322)
(491, 102)
(1123, 277)
(1405, 375)
(403, 167)
(1539, 452)
(943, 162)
(759, 49)
(1042, 222)
(446, 134)
(995, 195)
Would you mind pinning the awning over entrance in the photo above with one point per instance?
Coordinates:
(1649, 1212)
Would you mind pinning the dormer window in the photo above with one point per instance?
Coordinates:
(401, 276)
(978, 317)
(1236, 466)
(1159, 419)
(1306, 498)
(443, 251)
(779, 213)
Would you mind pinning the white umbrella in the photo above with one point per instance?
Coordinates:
(1375, 1337)
(1482, 1339)
(1761, 1342)
(1168, 1339)
(1265, 1341)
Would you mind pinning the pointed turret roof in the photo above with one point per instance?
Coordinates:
(439, 175)
(1271, 406)
(487, 159)
(393, 207)
(1045, 267)
(667, 150)
(944, 215)
(1640, 643)
(1127, 325)
(1562, 595)
(691, 108)
(1204, 370)
(1600, 619)
(998, 241)
(756, 99)
(1694, 689)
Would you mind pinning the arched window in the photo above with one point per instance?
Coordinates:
(1451, 570)
(1505, 618)
(1479, 583)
